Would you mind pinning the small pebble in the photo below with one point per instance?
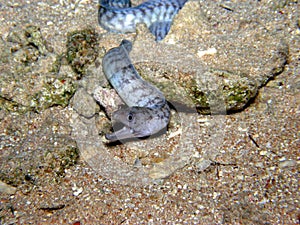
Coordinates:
(77, 190)
(287, 163)
(210, 51)
(7, 189)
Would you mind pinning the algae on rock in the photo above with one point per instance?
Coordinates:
(215, 91)
(55, 91)
(27, 83)
(82, 49)
(28, 44)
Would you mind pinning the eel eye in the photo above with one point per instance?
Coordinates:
(130, 117)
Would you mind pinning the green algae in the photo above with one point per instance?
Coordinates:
(82, 49)
(32, 79)
(54, 92)
(55, 161)
(12, 106)
(280, 4)
(62, 159)
(28, 44)
(215, 91)
(237, 89)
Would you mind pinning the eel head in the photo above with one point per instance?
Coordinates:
(138, 122)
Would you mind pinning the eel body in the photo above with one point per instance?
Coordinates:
(119, 16)
(147, 110)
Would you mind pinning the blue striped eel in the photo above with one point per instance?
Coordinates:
(147, 110)
(119, 16)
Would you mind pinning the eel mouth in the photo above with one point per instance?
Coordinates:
(123, 133)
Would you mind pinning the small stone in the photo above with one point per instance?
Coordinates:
(77, 190)
(108, 98)
(259, 164)
(7, 189)
(200, 207)
(264, 153)
(137, 163)
(287, 163)
(210, 51)
(203, 164)
(83, 103)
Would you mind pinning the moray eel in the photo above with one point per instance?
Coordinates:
(119, 16)
(147, 110)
